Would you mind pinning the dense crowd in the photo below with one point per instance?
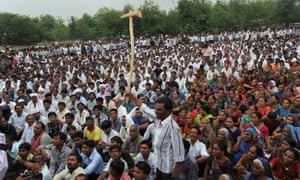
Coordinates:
(232, 98)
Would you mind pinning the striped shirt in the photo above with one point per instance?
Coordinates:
(168, 144)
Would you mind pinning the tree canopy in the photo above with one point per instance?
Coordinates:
(189, 17)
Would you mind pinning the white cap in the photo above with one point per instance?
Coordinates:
(33, 94)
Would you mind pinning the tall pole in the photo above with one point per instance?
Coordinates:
(130, 15)
(132, 52)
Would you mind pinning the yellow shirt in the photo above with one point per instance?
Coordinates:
(94, 134)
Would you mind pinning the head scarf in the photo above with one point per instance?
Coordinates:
(293, 131)
(251, 131)
(264, 164)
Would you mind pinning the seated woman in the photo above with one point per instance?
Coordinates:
(244, 165)
(207, 132)
(289, 120)
(235, 112)
(218, 163)
(288, 166)
(287, 143)
(188, 124)
(179, 117)
(234, 131)
(261, 130)
(243, 144)
(222, 135)
(262, 107)
(260, 170)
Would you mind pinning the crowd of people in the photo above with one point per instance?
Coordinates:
(211, 106)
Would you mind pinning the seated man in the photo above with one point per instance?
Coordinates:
(115, 153)
(189, 168)
(59, 153)
(141, 171)
(69, 121)
(132, 143)
(54, 125)
(91, 131)
(140, 120)
(145, 155)
(116, 171)
(40, 138)
(37, 169)
(108, 133)
(91, 159)
(73, 168)
(78, 140)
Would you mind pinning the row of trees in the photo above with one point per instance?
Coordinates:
(190, 16)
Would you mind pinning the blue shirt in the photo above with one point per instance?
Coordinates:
(116, 124)
(94, 162)
(136, 122)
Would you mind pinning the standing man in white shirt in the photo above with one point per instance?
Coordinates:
(168, 145)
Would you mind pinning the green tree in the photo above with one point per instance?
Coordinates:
(16, 29)
(193, 15)
(109, 23)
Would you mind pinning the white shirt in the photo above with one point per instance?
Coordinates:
(27, 133)
(31, 108)
(80, 117)
(168, 145)
(18, 121)
(3, 158)
(106, 137)
(3, 164)
(198, 149)
(121, 111)
(11, 105)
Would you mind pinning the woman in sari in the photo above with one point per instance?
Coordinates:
(261, 170)
(288, 166)
(245, 163)
(218, 163)
(243, 144)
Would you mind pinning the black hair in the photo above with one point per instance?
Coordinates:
(42, 125)
(89, 118)
(106, 124)
(113, 109)
(143, 166)
(61, 103)
(296, 154)
(272, 115)
(89, 143)
(222, 146)
(198, 130)
(243, 108)
(290, 141)
(117, 139)
(168, 105)
(98, 107)
(78, 157)
(117, 166)
(71, 127)
(61, 135)
(52, 114)
(258, 114)
(78, 134)
(259, 151)
(70, 115)
(47, 101)
(186, 145)
(25, 146)
(147, 142)
(113, 147)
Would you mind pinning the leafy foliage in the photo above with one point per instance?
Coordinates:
(189, 17)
